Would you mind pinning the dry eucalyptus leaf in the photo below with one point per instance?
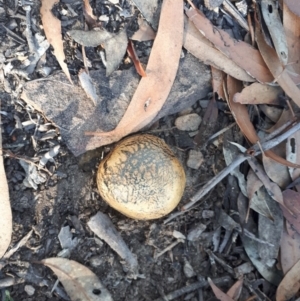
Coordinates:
(242, 118)
(235, 291)
(161, 70)
(293, 6)
(195, 43)
(279, 72)
(133, 55)
(115, 50)
(292, 202)
(6, 215)
(290, 284)
(273, 22)
(52, 28)
(90, 18)
(289, 248)
(291, 24)
(277, 172)
(243, 54)
(79, 282)
(258, 93)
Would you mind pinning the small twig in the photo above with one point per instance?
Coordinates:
(170, 247)
(221, 131)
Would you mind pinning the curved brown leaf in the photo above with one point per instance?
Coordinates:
(52, 28)
(257, 93)
(290, 284)
(6, 215)
(293, 6)
(79, 282)
(161, 70)
(243, 54)
(241, 116)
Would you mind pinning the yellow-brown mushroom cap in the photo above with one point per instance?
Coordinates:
(141, 178)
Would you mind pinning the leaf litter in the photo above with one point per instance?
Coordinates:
(250, 95)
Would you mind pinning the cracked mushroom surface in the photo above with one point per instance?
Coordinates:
(141, 178)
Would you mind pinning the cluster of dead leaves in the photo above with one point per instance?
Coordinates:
(268, 71)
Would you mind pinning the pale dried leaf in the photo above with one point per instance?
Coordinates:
(243, 54)
(88, 86)
(52, 28)
(218, 293)
(253, 183)
(272, 188)
(291, 200)
(277, 172)
(195, 43)
(290, 284)
(280, 74)
(115, 50)
(289, 248)
(145, 32)
(293, 6)
(258, 94)
(6, 215)
(291, 24)
(273, 22)
(241, 116)
(161, 71)
(79, 282)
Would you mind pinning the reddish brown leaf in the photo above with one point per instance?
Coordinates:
(291, 200)
(161, 70)
(289, 248)
(235, 291)
(137, 64)
(243, 54)
(280, 74)
(278, 173)
(90, 18)
(291, 24)
(52, 28)
(257, 93)
(290, 284)
(195, 43)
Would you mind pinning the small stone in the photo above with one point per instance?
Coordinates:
(29, 290)
(195, 159)
(188, 122)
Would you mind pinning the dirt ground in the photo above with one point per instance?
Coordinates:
(69, 197)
